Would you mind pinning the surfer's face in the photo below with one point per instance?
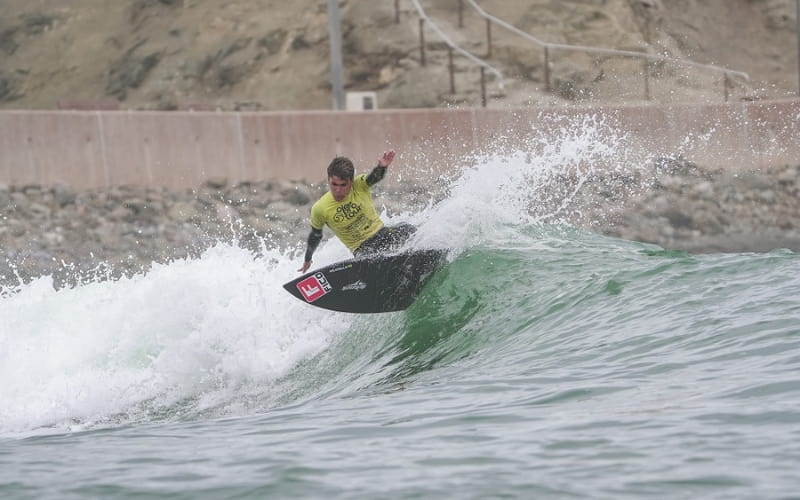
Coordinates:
(339, 187)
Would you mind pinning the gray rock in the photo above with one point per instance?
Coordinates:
(63, 195)
(127, 228)
(182, 211)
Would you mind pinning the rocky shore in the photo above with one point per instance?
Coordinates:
(74, 235)
(681, 205)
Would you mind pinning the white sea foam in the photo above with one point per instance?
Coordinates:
(524, 186)
(190, 330)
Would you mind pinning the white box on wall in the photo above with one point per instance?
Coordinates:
(362, 101)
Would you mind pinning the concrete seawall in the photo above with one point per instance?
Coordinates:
(91, 149)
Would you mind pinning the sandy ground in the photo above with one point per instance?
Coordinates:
(274, 55)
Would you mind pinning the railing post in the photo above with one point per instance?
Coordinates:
(726, 82)
(483, 86)
(488, 38)
(452, 68)
(547, 68)
(797, 34)
(422, 41)
(396, 11)
(460, 13)
(646, 68)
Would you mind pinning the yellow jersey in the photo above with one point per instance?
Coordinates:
(353, 220)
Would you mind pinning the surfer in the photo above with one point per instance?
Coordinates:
(347, 209)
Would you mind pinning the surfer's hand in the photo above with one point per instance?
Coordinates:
(387, 158)
(305, 267)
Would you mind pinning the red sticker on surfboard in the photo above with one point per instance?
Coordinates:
(314, 287)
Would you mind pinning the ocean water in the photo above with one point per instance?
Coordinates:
(543, 361)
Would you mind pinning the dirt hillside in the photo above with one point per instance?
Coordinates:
(273, 54)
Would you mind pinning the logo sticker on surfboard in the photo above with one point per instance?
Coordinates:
(314, 287)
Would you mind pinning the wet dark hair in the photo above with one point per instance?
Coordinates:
(342, 168)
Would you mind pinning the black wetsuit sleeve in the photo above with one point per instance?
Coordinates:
(376, 175)
(314, 237)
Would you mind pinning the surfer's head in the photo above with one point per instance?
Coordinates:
(342, 168)
(340, 177)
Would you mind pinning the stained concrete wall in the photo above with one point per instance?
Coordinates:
(89, 149)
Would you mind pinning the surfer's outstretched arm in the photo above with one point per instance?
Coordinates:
(380, 169)
(314, 237)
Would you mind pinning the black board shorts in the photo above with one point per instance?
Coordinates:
(386, 239)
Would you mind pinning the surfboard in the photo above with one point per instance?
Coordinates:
(374, 284)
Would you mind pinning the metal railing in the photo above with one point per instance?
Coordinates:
(484, 66)
(547, 46)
